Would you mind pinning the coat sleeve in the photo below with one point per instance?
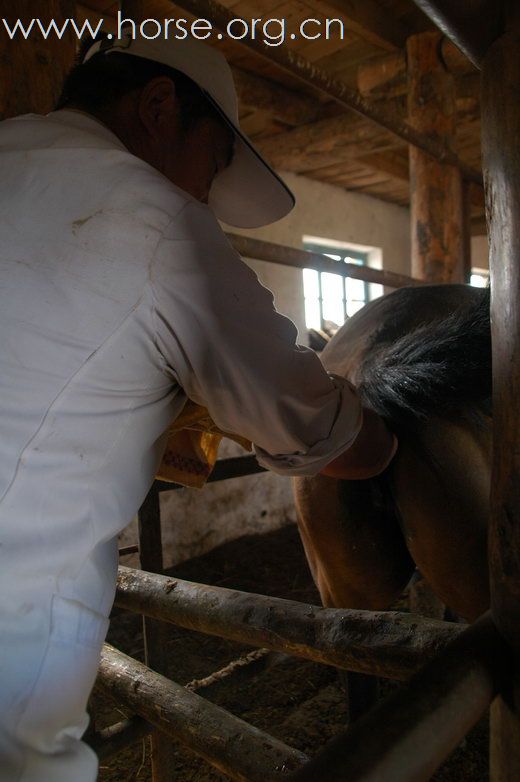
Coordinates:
(223, 341)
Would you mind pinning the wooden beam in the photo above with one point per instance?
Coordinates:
(391, 163)
(409, 734)
(436, 198)
(302, 259)
(112, 740)
(32, 70)
(155, 633)
(501, 159)
(385, 643)
(381, 75)
(84, 12)
(308, 73)
(284, 105)
(501, 155)
(324, 143)
(472, 25)
(367, 19)
(235, 748)
(385, 76)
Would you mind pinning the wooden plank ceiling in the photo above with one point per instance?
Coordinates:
(300, 130)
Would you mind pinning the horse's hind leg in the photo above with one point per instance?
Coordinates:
(355, 550)
(362, 693)
(357, 556)
(444, 512)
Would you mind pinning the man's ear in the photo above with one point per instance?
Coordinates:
(158, 107)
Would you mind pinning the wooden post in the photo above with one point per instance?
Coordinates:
(155, 632)
(240, 751)
(32, 70)
(501, 158)
(409, 734)
(383, 643)
(435, 188)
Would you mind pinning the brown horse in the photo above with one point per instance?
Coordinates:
(421, 357)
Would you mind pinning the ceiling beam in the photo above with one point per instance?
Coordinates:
(472, 25)
(391, 163)
(32, 71)
(346, 96)
(324, 143)
(287, 106)
(381, 76)
(385, 76)
(367, 19)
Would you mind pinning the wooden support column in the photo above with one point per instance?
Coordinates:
(32, 70)
(435, 188)
(501, 158)
(407, 736)
(155, 632)
(238, 750)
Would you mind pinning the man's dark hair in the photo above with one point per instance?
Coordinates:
(98, 84)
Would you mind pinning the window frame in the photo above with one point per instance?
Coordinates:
(348, 255)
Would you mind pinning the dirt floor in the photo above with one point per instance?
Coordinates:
(297, 701)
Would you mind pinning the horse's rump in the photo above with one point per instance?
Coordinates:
(421, 358)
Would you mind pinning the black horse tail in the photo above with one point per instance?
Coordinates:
(440, 368)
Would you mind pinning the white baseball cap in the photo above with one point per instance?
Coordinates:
(248, 193)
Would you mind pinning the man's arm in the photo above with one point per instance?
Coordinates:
(221, 338)
(369, 455)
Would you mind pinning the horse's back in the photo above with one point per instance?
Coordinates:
(392, 316)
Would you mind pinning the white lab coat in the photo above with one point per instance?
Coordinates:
(119, 298)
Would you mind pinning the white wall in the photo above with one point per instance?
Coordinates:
(330, 212)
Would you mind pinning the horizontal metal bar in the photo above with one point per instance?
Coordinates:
(237, 749)
(303, 259)
(408, 735)
(387, 644)
(234, 467)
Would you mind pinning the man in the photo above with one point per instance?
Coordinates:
(120, 298)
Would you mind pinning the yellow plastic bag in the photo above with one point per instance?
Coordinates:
(192, 447)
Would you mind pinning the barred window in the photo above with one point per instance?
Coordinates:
(331, 298)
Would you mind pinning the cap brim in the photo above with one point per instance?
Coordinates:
(248, 193)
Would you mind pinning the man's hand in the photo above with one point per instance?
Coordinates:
(370, 454)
